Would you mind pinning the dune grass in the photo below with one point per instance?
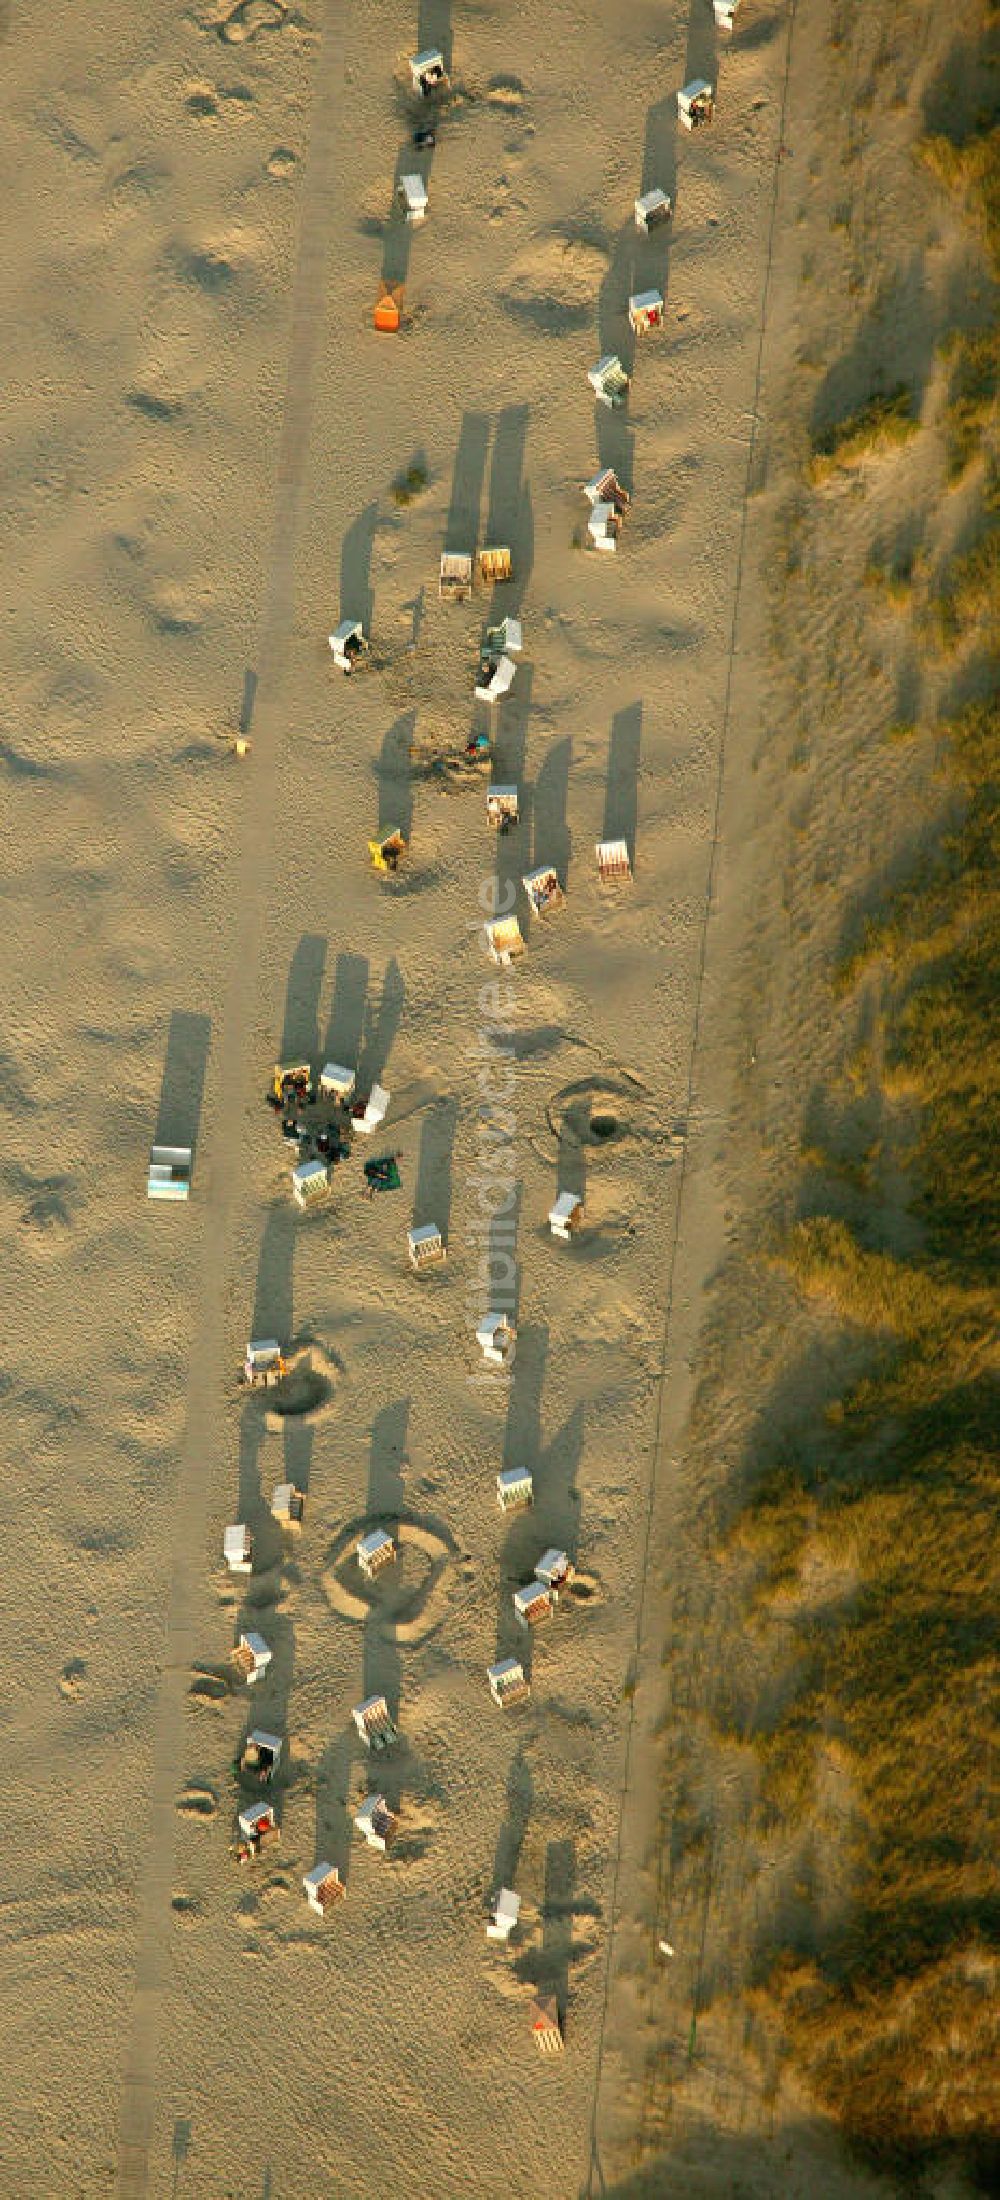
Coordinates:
(881, 425)
(970, 167)
(890, 2013)
(893, 578)
(970, 407)
(891, 2016)
(969, 589)
(409, 484)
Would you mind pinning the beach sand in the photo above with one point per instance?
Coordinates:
(206, 434)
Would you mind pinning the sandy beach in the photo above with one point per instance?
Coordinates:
(206, 435)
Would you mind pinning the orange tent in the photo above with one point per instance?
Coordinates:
(388, 311)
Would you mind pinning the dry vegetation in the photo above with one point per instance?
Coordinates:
(409, 484)
(969, 166)
(882, 423)
(974, 367)
(892, 2013)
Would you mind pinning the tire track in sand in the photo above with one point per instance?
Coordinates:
(220, 1154)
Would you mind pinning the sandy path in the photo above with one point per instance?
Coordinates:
(221, 1157)
(693, 1255)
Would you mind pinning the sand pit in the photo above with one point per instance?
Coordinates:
(407, 1603)
(583, 1589)
(599, 1114)
(306, 1394)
